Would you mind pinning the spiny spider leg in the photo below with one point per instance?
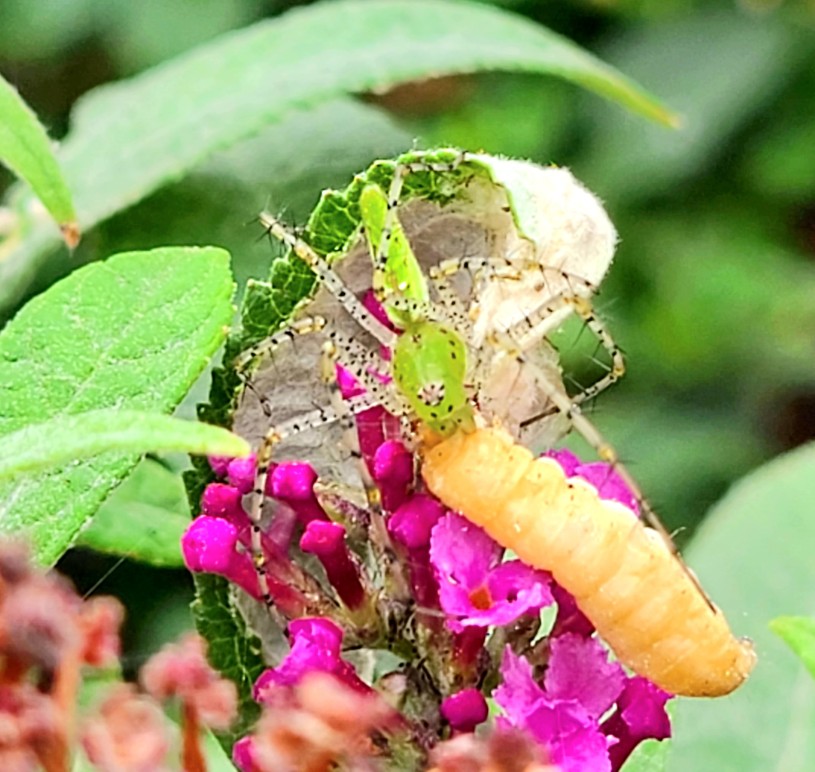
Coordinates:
(274, 435)
(330, 358)
(330, 280)
(364, 364)
(605, 451)
(537, 315)
(530, 330)
(333, 355)
(496, 270)
(536, 325)
(303, 326)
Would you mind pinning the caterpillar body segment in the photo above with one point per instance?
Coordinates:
(622, 575)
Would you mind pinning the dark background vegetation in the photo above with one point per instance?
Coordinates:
(712, 294)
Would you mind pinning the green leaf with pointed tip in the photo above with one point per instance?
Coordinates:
(64, 439)
(753, 554)
(26, 150)
(143, 519)
(799, 634)
(229, 89)
(133, 332)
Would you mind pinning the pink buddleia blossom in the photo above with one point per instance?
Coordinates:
(293, 483)
(127, 733)
(580, 670)
(640, 715)
(571, 736)
(580, 687)
(326, 540)
(569, 619)
(465, 710)
(436, 591)
(323, 725)
(475, 587)
(315, 647)
(241, 473)
(600, 474)
(181, 671)
(393, 473)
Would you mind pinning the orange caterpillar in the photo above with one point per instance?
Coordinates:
(621, 573)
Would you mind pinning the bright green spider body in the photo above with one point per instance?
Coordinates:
(430, 360)
(429, 366)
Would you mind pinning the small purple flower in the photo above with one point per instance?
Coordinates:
(579, 670)
(570, 619)
(226, 501)
(213, 545)
(209, 546)
(640, 715)
(375, 426)
(393, 473)
(326, 540)
(243, 755)
(241, 473)
(475, 587)
(581, 686)
(316, 645)
(467, 647)
(222, 500)
(601, 475)
(219, 464)
(292, 482)
(465, 710)
(412, 524)
(564, 727)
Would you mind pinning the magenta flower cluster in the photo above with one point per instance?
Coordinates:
(414, 579)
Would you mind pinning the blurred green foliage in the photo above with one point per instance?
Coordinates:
(712, 294)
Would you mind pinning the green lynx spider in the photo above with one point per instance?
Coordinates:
(437, 370)
(426, 357)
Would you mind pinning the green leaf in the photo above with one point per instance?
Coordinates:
(79, 437)
(227, 90)
(649, 756)
(282, 168)
(697, 63)
(131, 333)
(799, 635)
(26, 150)
(754, 556)
(231, 647)
(143, 519)
(215, 754)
